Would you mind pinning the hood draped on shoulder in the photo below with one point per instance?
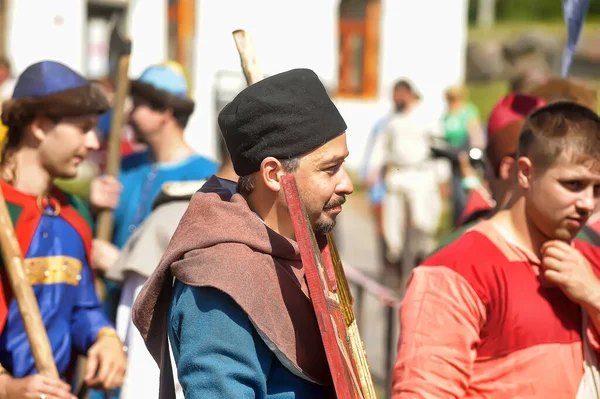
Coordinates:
(221, 243)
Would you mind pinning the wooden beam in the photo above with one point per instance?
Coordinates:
(367, 30)
(186, 28)
(371, 50)
(3, 27)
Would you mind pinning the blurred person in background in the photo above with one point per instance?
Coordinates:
(559, 89)
(501, 142)
(7, 80)
(527, 77)
(374, 182)
(129, 144)
(137, 261)
(506, 121)
(7, 85)
(462, 131)
(504, 125)
(412, 203)
(161, 109)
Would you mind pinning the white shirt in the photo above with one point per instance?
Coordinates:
(405, 139)
(143, 375)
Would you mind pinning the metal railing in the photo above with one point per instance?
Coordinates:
(361, 284)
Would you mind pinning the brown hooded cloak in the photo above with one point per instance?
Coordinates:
(221, 243)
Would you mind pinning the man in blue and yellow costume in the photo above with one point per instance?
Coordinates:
(51, 122)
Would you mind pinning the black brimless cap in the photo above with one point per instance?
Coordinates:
(282, 116)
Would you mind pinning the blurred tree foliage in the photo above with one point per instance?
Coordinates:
(531, 10)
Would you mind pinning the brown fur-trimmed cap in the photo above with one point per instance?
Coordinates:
(557, 89)
(51, 89)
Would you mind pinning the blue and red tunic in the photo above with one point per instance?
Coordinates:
(57, 249)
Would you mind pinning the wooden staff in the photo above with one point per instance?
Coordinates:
(122, 51)
(23, 293)
(245, 47)
(345, 297)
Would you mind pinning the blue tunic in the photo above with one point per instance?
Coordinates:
(57, 263)
(142, 181)
(219, 354)
(377, 192)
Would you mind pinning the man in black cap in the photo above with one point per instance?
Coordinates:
(241, 322)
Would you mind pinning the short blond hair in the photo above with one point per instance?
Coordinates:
(457, 92)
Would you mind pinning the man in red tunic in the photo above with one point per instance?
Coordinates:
(517, 314)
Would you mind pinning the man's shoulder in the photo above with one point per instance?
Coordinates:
(482, 258)
(225, 188)
(201, 159)
(81, 207)
(454, 235)
(177, 191)
(588, 243)
(472, 254)
(466, 243)
(194, 167)
(135, 160)
(203, 166)
(206, 299)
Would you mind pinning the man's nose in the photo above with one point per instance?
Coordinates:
(91, 140)
(345, 185)
(589, 201)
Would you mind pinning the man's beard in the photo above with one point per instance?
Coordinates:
(399, 106)
(324, 227)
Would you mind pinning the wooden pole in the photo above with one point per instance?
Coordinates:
(24, 295)
(105, 221)
(121, 50)
(245, 47)
(186, 17)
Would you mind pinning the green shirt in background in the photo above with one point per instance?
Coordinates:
(456, 125)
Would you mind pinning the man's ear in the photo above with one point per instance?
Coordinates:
(39, 127)
(524, 172)
(506, 169)
(271, 171)
(167, 115)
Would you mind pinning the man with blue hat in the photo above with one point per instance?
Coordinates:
(51, 122)
(161, 111)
